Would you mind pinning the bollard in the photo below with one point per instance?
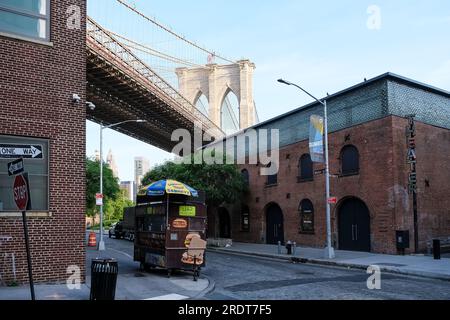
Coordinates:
(294, 247)
(436, 249)
(279, 247)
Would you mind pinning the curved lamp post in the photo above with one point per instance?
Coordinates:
(329, 250)
(101, 244)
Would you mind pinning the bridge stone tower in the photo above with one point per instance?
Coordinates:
(215, 82)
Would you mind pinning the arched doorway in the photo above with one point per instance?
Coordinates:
(274, 224)
(224, 224)
(354, 225)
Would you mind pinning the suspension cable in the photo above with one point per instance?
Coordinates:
(152, 51)
(232, 114)
(173, 33)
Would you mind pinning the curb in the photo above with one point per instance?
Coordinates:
(420, 274)
(209, 289)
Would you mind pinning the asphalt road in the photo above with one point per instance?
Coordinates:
(244, 277)
(239, 277)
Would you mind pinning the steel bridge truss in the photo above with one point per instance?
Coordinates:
(123, 87)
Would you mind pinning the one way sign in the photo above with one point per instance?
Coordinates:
(15, 167)
(10, 151)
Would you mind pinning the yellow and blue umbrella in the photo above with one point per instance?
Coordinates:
(161, 187)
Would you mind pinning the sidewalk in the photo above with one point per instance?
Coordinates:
(422, 266)
(132, 284)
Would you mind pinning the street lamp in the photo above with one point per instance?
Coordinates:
(329, 250)
(101, 244)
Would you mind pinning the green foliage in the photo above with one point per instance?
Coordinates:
(114, 208)
(111, 189)
(222, 183)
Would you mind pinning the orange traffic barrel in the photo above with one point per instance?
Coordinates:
(92, 240)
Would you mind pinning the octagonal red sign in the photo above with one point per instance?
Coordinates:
(20, 192)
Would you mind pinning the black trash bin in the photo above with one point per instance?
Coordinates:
(437, 249)
(289, 247)
(103, 279)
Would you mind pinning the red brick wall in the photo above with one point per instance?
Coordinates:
(381, 184)
(433, 165)
(36, 88)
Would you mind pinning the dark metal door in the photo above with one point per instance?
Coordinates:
(354, 226)
(274, 223)
(224, 224)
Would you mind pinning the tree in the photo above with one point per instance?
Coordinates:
(222, 183)
(111, 187)
(114, 208)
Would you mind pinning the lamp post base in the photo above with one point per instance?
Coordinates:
(101, 246)
(329, 253)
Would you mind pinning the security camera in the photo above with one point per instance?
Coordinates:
(90, 105)
(76, 98)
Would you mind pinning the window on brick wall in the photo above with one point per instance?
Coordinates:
(245, 218)
(349, 160)
(272, 179)
(35, 159)
(27, 18)
(305, 167)
(306, 210)
(246, 177)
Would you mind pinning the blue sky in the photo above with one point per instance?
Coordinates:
(325, 46)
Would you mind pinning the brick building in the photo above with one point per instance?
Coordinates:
(43, 63)
(368, 161)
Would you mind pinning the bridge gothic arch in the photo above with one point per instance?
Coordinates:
(201, 103)
(216, 82)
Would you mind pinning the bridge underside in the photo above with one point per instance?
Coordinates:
(124, 89)
(118, 99)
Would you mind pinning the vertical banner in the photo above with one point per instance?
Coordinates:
(316, 145)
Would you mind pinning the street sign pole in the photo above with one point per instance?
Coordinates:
(101, 243)
(329, 250)
(27, 245)
(21, 193)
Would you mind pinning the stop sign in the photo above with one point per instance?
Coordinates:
(20, 192)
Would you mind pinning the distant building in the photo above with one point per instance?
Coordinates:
(97, 155)
(128, 186)
(141, 167)
(112, 164)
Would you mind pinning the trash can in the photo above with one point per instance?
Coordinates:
(289, 247)
(103, 279)
(437, 249)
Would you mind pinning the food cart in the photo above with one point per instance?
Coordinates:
(170, 229)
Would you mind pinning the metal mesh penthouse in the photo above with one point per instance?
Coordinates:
(382, 96)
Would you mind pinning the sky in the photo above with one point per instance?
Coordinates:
(325, 46)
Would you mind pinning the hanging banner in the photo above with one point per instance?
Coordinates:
(316, 130)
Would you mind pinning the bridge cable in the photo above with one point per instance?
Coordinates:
(173, 33)
(152, 51)
(231, 112)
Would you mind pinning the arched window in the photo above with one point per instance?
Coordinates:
(229, 115)
(272, 179)
(246, 177)
(305, 167)
(245, 218)
(306, 211)
(349, 160)
(202, 104)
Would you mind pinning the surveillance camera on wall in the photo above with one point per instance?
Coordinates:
(76, 98)
(90, 105)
